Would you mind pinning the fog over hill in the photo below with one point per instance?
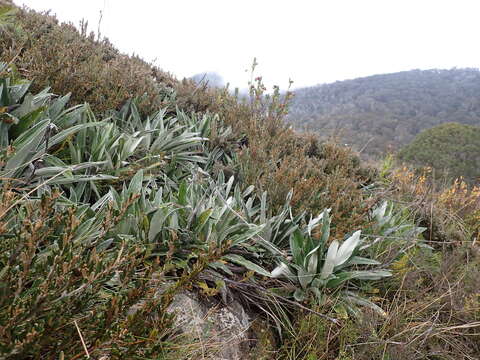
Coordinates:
(209, 77)
(383, 112)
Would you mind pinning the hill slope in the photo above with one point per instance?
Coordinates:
(387, 111)
(449, 147)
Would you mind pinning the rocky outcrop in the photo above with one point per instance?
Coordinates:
(221, 332)
(208, 328)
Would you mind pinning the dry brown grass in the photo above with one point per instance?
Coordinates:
(449, 211)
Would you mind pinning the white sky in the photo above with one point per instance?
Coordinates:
(312, 42)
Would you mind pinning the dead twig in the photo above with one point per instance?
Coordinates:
(81, 339)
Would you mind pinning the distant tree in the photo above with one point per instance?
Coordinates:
(451, 149)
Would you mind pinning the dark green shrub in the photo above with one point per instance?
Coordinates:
(451, 149)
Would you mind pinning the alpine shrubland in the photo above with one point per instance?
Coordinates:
(106, 190)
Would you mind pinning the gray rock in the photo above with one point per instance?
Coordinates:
(215, 332)
(221, 332)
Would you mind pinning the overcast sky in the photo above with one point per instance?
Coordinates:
(310, 42)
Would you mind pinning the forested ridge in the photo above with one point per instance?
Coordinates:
(384, 112)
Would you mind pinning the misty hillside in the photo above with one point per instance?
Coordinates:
(386, 111)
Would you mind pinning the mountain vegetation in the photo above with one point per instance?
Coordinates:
(451, 149)
(122, 186)
(382, 113)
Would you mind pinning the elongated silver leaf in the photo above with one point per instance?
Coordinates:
(347, 248)
(329, 263)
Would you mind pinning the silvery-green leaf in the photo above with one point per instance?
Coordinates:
(370, 275)
(263, 208)
(25, 147)
(312, 261)
(281, 270)
(248, 191)
(318, 294)
(62, 135)
(240, 260)
(325, 227)
(355, 299)
(347, 248)
(329, 263)
(203, 218)
(318, 283)
(104, 245)
(229, 185)
(218, 265)
(299, 295)
(135, 186)
(366, 246)
(358, 260)
(313, 223)
(247, 235)
(379, 212)
(342, 277)
(304, 278)
(158, 220)
(296, 246)
(338, 279)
